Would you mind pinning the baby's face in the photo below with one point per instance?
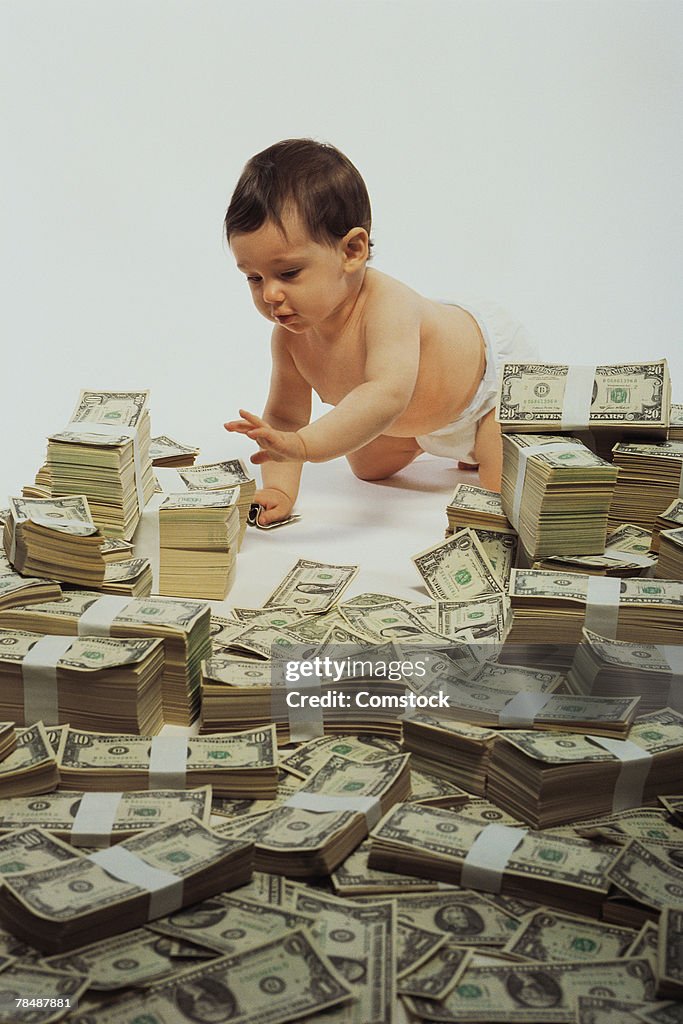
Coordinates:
(295, 281)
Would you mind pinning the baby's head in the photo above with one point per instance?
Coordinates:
(309, 179)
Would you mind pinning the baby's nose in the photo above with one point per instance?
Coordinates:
(272, 292)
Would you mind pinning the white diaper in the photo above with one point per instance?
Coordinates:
(506, 341)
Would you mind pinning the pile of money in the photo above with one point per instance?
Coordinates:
(670, 562)
(647, 880)
(615, 668)
(54, 538)
(97, 682)
(549, 779)
(103, 452)
(474, 506)
(649, 481)
(675, 422)
(242, 765)
(31, 767)
(669, 519)
(8, 739)
(131, 576)
(626, 554)
(18, 590)
(556, 493)
(116, 549)
(198, 540)
(458, 569)
(450, 750)
(70, 904)
(182, 625)
(670, 953)
(224, 476)
(164, 451)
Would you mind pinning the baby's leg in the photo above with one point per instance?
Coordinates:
(383, 457)
(488, 451)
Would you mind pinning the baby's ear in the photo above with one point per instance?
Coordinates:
(356, 246)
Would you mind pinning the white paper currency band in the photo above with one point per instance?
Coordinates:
(521, 711)
(673, 656)
(98, 618)
(146, 537)
(113, 430)
(635, 768)
(488, 857)
(95, 818)
(602, 605)
(39, 676)
(305, 723)
(170, 480)
(633, 557)
(524, 456)
(167, 762)
(321, 803)
(165, 889)
(578, 395)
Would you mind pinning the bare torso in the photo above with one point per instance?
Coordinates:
(452, 356)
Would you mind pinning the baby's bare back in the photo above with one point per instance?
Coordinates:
(452, 355)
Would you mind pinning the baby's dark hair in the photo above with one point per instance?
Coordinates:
(314, 178)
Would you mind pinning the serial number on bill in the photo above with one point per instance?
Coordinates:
(42, 1003)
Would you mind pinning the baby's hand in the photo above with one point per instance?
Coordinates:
(275, 445)
(276, 505)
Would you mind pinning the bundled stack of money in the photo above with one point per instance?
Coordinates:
(116, 549)
(450, 750)
(31, 767)
(483, 619)
(675, 422)
(457, 569)
(223, 476)
(16, 589)
(649, 481)
(97, 682)
(81, 900)
(81, 820)
(474, 506)
(670, 561)
(131, 576)
(103, 452)
(626, 554)
(198, 539)
(235, 765)
(669, 519)
(430, 842)
(547, 779)
(182, 625)
(611, 668)
(55, 538)
(164, 451)
(566, 492)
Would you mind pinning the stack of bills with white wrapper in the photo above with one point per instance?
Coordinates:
(556, 494)
(450, 750)
(235, 765)
(615, 668)
(223, 476)
(326, 818)
(182, 625)
(103, 452)
(55, 538)
(670, 561)
(626, 554)
(123, 887)
(31, 767)
(470, 505)
(164, 451)
(669, 519)
(649, 481)
(93, 682)
(554, 869)
(547, 778)
(198, 540)
(18, 590)
(102, 819)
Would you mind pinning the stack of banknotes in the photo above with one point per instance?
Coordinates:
(670, 562)
(198, 540)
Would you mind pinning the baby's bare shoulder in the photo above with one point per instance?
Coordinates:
(388, 298)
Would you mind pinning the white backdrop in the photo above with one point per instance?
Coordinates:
(528, 150)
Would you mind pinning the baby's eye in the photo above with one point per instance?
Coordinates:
(253, 280)
(289, 274)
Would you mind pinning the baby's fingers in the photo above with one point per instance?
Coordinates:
(239, 426)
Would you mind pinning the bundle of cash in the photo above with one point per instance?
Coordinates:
(615, 668)
(81, 818)
(483, 619)
(182, 625)
(548, 779)
(556, 493)
(629, 399)
(474, 506)
(103, 452)
(649, 480)
(164, 451)
(670, 562)
(55, 538)
(317, 827)
(98, 682)
(549, 607)
(224, 476)
(111, 891)
(626, 554)
(450, 750)
(131, 576)
(458, 569)
(669, 519)
(31, 767)
(19, 590)
(235, 765)
(676, 422)
(198, 539)
(568, 873)
(116, 549)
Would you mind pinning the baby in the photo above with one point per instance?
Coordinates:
(405, 374)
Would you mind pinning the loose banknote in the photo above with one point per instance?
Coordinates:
(457, 569)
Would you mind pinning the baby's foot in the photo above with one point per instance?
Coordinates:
(468, 465)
